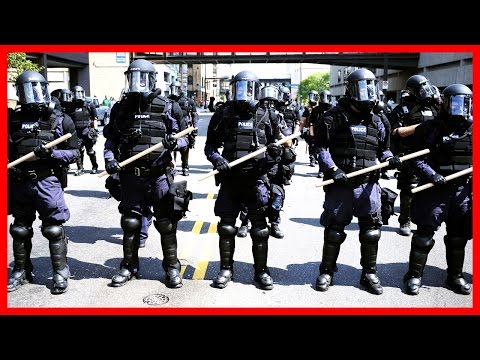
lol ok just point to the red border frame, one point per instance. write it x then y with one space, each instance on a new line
4 310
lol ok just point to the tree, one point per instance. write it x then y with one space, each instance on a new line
19 62
318 81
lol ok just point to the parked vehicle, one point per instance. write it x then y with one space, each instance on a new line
103 112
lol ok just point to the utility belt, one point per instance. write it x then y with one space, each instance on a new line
33 175
145 171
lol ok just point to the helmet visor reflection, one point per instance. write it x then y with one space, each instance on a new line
365 90
33 92
138 81
243 90
460 105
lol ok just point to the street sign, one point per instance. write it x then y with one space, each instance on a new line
385 85
121 57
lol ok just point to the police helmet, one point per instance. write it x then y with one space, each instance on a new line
269 92
32 91
244 86
175 88
140 77
78 93
362 90
313 97
284 94
420 87
457 102
325 97
65 96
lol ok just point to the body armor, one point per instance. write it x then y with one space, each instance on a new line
28 132
356 144
81 117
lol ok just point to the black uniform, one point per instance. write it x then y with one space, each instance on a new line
36 185
449 138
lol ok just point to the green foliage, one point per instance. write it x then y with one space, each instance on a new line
318 81
19 62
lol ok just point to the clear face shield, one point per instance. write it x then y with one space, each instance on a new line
33 93
312 97
364 90
66 97
79 95
425 90
325 98
269 93
139 81
460 105
243 90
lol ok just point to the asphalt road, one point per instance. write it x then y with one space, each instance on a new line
95 252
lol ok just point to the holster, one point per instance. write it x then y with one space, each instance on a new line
180 199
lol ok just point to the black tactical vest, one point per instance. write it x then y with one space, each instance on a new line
185 106
81 117
455 153
416 115
27 132
355 145
139 132
243 135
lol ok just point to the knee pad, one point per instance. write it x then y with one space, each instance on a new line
164 226
259 233
335 234
226 230
370 236
21 232
130 224
422 242
53 232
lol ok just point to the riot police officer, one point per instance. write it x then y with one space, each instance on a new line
266 109
85 118
234 127
324 104
190 118
417 106
291 116
351 137
39 181
305 125
141 119
65 98
449 138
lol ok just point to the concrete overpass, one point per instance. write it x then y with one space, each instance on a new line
393 61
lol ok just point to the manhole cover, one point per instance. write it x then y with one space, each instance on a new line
155 299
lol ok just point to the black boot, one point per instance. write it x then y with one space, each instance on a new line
262 276
129 266
60 281
126 273
226 245
455 253
275 231
185 171
58 255
22 246
170 263
422 243
242 231
334 236
173 278
93 160
371 282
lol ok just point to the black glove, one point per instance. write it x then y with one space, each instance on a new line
338 175
194 132
41 152
394 163
221 164
274 150
112 166
438 179
169 142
